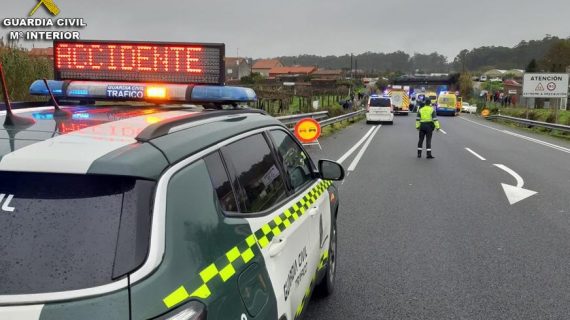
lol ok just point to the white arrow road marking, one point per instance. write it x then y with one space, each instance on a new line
515 193
475 154
520 181
361 152
351 150
442 131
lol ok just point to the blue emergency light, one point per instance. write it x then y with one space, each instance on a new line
122 91
38 88
213 93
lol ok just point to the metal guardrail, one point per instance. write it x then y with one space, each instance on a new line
289 120
554 126
330 121
292 119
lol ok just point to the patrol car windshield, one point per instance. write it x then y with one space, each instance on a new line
67 232
379 102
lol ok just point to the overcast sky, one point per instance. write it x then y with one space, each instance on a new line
267 28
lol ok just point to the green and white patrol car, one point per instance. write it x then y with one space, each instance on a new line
162 210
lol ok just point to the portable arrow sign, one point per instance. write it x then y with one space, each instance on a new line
515 193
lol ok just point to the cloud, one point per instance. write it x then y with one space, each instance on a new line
324 27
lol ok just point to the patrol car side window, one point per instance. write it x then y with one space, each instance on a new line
257 172
221 182
294 159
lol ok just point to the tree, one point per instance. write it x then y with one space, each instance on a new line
532 66
503 57
382 84
21 70
253 78
465 85
557 59
429 63
492 86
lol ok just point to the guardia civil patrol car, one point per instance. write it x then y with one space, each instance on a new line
166 201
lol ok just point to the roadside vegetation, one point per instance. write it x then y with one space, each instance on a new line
21 70
543 115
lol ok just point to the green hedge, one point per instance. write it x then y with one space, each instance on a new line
21 70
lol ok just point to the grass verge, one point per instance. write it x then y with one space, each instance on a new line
544 131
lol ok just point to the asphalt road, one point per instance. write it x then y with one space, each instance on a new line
438 239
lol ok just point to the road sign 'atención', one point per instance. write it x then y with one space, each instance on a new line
545 85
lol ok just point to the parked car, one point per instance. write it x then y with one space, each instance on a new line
466 107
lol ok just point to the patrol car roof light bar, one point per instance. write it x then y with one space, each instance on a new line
11 119
206 95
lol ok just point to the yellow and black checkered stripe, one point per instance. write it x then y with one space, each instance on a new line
324 258
306 297
224 268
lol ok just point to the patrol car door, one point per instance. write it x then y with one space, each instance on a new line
282 227
310 202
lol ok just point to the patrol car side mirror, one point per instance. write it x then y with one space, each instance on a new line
331 170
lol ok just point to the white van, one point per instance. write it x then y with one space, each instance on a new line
379 109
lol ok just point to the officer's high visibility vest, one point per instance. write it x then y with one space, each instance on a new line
427 114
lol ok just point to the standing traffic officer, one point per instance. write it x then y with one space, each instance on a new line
426 121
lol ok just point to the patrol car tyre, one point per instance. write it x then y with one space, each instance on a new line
326 287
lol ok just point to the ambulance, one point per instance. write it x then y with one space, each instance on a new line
447 104
400 101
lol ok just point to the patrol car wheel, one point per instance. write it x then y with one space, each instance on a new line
326 287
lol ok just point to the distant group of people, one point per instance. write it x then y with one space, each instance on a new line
353 100
499 97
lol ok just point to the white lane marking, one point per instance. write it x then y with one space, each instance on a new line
520 181
361 152
442 131
479 124
544 143
351 150
475 154
515 193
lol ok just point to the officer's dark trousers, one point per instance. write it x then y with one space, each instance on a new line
426 131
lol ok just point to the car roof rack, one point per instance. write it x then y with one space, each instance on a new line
164 127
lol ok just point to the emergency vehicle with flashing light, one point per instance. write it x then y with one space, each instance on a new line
447 104
400 101
177 204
